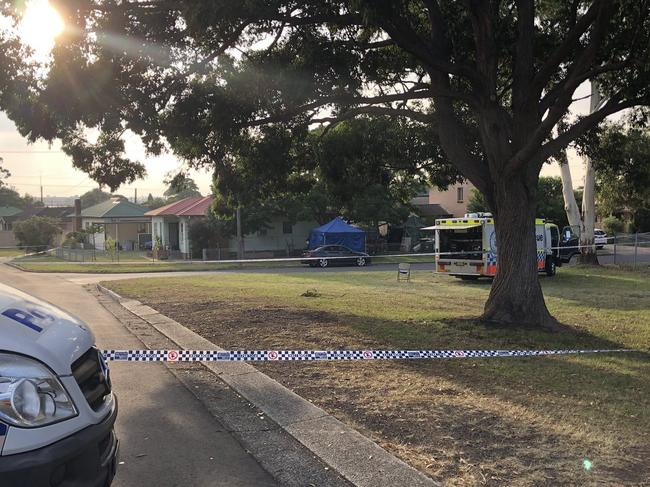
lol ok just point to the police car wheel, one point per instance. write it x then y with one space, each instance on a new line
361 261
322 262
550 267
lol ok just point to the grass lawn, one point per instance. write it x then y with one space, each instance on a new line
11 252
514 421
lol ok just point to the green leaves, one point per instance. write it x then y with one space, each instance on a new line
103 161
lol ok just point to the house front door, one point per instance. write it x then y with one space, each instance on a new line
173 236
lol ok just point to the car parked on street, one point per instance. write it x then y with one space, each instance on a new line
600 238
333 255
57 409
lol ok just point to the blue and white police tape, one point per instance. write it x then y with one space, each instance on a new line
325 355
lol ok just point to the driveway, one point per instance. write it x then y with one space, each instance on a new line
167 436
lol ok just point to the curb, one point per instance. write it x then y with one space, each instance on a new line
356 458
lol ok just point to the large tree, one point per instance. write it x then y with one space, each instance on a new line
621 154
492 78
366 169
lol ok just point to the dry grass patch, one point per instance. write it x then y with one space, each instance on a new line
523 421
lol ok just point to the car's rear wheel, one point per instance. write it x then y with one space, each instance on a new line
323 262
361 261
550 267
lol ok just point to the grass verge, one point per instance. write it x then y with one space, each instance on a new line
52 264
11 252
516 421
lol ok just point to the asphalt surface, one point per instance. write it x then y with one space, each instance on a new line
167 436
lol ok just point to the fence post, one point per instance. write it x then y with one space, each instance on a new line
636 246
614 249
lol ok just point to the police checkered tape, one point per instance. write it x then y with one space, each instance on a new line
328 355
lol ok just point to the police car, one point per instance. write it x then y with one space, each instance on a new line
56 406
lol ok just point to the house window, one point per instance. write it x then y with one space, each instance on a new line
142 228
460 194
287 228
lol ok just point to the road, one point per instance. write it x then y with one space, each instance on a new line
167 436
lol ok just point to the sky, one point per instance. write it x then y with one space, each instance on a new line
39 164
30 164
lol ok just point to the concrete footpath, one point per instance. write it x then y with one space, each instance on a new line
168 438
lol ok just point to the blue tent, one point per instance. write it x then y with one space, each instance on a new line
337 232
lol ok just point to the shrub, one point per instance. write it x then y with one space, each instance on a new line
111 246
37 231
613 225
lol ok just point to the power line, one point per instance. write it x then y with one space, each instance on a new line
31 152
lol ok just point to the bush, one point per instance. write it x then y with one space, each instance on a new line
37 231
111 247
74 239
613 225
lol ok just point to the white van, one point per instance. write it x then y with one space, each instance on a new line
57 410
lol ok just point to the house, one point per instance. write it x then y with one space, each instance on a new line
281 237
120 220
8 215
436 203
170 223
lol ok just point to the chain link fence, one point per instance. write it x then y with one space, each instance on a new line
631 249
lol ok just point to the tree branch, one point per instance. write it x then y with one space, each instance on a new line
225 45
583 125
404 36
566 47
481 16
553 94
523 59
563 99
375 110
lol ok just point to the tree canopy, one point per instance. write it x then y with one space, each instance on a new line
96 196
492 80
11 197
621 154
365 169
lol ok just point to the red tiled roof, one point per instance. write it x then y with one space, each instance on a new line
193 206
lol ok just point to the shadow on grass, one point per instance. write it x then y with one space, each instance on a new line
544 386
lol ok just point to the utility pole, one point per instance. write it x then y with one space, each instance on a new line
41 179
135 197
240 237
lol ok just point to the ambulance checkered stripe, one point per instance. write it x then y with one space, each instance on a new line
323 355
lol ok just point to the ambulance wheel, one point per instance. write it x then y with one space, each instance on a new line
550 268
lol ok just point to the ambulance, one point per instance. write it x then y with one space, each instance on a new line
57 410
467 247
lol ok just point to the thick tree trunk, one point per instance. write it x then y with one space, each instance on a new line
588 249
516 296
570 204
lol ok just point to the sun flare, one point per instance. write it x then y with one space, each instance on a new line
40 25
